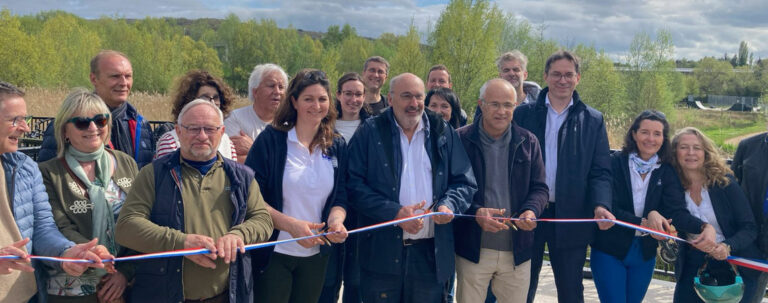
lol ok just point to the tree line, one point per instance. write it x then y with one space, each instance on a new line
52 49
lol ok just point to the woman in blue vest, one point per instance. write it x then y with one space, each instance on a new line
300 162
647 192
713 195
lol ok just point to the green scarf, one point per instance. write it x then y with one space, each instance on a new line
102 215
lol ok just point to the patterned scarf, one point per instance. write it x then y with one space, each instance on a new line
102 215
641 166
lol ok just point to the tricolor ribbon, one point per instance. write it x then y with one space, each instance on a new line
761 265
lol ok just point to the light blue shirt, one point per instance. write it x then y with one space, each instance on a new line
555 120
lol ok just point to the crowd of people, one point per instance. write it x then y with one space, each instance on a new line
301 160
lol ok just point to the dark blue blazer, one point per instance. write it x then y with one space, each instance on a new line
583 165
665 194
375 167
735 219
267 159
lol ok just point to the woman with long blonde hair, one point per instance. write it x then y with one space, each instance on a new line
712 195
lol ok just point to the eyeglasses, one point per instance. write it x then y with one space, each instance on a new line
567 76
16 121
83 123
195 130
214 98
496 105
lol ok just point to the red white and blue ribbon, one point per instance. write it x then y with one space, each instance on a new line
761 265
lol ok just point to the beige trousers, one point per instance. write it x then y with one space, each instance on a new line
509 283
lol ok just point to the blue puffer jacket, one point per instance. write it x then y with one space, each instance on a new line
32 212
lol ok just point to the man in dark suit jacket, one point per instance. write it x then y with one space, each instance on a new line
402 162
574 144
750 166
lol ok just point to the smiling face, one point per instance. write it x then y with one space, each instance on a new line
562 80
199 145
407 100
513 71
269 93
114 80
690 152
649 137
88 140
438 78
374 75
441 106
11 108
351 99
312 105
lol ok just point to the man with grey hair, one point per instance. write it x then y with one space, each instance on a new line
375 71
513 67
194 198
266 88
112 79
511 181
404 162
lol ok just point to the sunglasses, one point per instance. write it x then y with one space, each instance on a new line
83 123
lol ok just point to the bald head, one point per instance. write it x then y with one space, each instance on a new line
406 96
497 86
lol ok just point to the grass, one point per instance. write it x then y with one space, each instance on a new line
45 102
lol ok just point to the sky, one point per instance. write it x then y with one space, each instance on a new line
699 27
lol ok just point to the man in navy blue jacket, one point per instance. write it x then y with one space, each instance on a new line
574 144
402 163
112 79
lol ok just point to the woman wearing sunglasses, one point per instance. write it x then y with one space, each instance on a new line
87 185
713 195
199 84
300 165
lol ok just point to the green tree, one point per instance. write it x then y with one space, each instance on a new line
713 76
465 40
409 58
651 81
601 86
20 55
68 45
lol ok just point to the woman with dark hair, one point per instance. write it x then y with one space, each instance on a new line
300 164
713 195
445 102
351 106
647 192
199 84
343 264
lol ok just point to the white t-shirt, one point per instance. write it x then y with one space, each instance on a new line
307 183
169 142
347 128
245 119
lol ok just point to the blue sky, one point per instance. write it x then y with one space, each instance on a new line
699 27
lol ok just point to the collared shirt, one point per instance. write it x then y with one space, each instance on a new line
705 212
307 183
416 178
639 189
555 120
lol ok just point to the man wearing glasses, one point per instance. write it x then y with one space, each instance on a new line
112 79
189 199
511 182
402 163
574 144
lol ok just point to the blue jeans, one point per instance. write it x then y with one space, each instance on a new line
416 283
622 280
